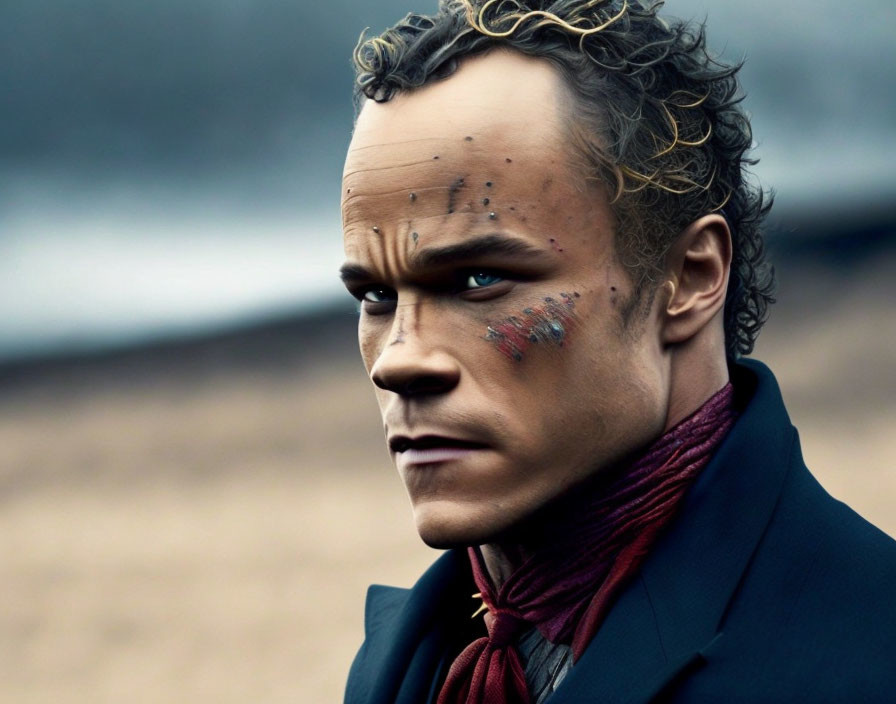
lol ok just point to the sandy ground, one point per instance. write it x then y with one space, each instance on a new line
213 540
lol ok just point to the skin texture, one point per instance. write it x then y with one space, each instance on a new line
516 345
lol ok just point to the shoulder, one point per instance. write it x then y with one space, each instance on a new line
814 613
812 616
846 569
400 622
381 610
813 619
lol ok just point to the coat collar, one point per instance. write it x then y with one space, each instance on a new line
671 617
665 623
406 634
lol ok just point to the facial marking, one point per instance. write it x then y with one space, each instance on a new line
399 336
453 193
547 323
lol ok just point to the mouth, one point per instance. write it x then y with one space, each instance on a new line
429 449
403 443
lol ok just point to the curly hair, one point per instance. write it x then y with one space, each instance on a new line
657 118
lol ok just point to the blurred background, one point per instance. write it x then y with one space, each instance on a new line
194 492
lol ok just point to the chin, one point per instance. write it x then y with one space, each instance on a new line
449 524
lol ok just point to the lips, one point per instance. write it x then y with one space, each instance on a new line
431 449
403 443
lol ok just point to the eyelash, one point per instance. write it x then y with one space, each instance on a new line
460 286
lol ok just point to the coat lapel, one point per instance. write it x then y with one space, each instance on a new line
670 618
406 634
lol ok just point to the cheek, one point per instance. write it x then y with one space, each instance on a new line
546 323
369 343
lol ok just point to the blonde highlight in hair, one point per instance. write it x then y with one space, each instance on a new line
476 19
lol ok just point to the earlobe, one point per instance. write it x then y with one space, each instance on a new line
697 268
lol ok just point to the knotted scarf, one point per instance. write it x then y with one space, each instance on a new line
566 587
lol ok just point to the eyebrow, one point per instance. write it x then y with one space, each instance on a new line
486 245
439 257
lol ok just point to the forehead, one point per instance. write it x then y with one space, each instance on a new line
496 110
483 150
510 98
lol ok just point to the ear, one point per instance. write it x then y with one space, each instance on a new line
697 269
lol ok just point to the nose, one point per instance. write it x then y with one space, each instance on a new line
408 366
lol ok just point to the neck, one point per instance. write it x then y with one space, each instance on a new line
698 368
546 528
501 560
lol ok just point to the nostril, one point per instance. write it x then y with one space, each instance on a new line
415 379
415 385
429 384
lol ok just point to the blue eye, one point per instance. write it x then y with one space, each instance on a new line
378 295
481 279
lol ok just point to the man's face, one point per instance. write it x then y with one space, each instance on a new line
491 295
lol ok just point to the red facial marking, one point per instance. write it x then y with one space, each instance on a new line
547 323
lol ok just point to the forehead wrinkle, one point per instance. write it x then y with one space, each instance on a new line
393 251
350 198
356 206
364 147
386 167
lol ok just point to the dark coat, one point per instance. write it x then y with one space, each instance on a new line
763 589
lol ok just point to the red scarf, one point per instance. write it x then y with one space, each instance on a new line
566 588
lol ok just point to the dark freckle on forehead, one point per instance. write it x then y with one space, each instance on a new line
436 156
348 190
612 288
468 138
453 192
512 208
485 201
488 184
508 160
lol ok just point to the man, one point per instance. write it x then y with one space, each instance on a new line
558 262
